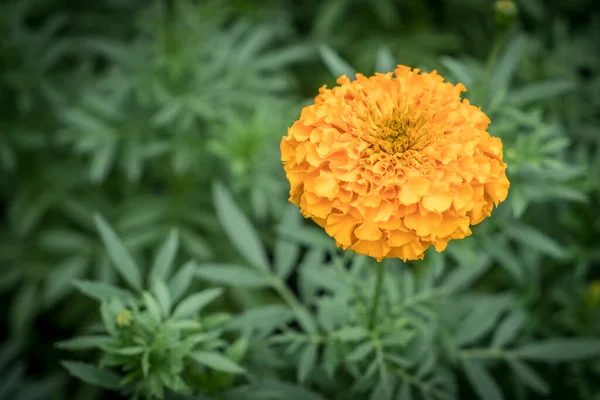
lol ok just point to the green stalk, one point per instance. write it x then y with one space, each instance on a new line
377 295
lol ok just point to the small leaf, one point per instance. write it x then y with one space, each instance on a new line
539 91
239 229
529 377
480 320
152 306
92 374
336 64
482 382
535 239
181 281
264 319
464 276
196 302
509 328
504 255
59 281
163 262
84 342
360 352
286 255
119 255
102 291
217 362
560 349
385 61
307 362
350 333
161 292
507 64
232 275
404 392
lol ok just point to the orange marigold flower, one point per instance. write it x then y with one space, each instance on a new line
391 164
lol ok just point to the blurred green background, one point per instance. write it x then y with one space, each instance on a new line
134 109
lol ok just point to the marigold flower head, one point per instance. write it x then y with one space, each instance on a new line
392 164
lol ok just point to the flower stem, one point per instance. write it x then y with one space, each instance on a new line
377 295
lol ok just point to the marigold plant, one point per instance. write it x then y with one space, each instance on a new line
391 164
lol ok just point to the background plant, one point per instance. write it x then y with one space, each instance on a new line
165 118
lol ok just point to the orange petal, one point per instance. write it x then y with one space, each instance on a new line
368 231
440 201
414 188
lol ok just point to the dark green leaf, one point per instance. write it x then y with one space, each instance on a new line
92 374
232 275
560 349
119 255
336 64
181 281
193 304
163 261
286 255
529 377
482 382
238 228
538 91
84 342
217 362
102 291
307 362
509 328
535 239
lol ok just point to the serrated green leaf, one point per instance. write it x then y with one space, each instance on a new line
239 229
163 261
84 342
217 362
482 382
307 362
232 275
193 304
119 255
529 377
509 328
560 349
92 374
102 291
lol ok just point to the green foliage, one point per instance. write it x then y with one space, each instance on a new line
147 249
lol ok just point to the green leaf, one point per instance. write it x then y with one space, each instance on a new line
193 304
161 292
217 362
286 255
509 328
238 228
59 281
385 61
534 239
84 342
458 70
163 261
506 65
102 291
360 352
232 275
181 281
529 377
465 275
350 333
153 308
404 392
480 320
119 255
481 381
92 374
539 91
264 320
504 255
307 362
560 349
336 64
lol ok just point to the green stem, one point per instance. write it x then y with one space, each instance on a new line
377 295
